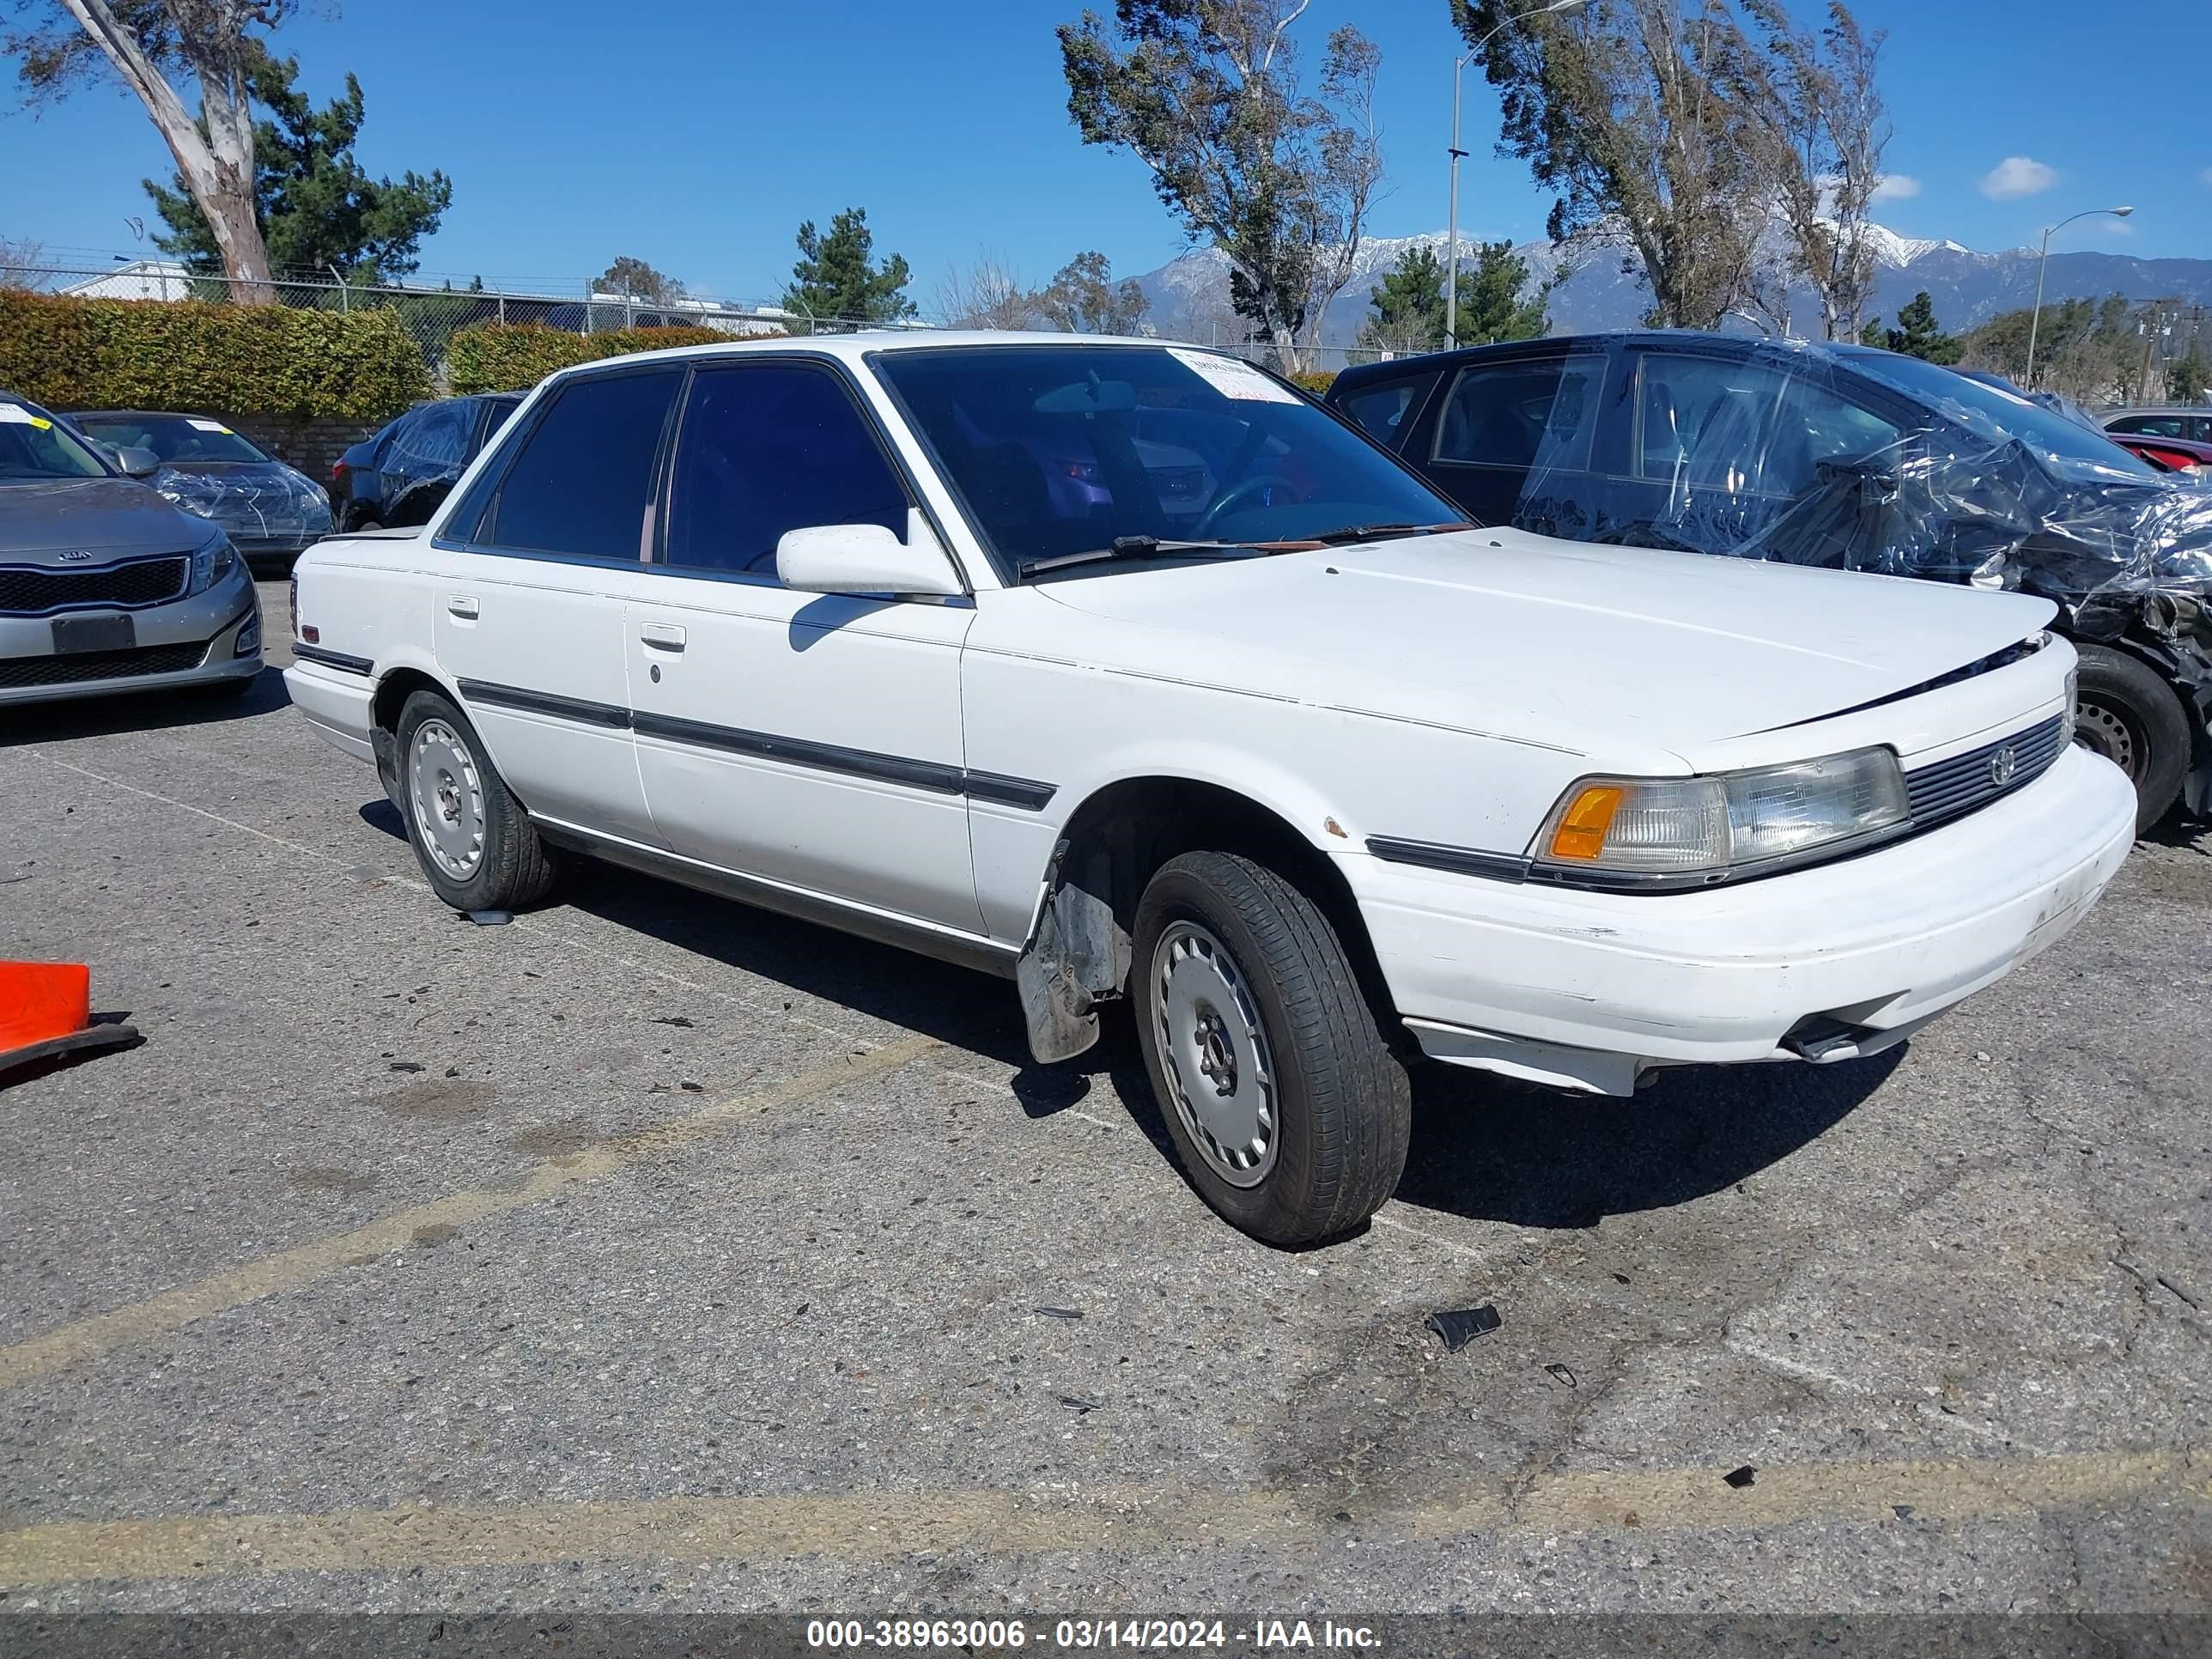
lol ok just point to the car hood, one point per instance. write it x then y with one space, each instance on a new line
249 498
39 522
1555 642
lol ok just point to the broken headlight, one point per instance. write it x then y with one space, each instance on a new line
1687 831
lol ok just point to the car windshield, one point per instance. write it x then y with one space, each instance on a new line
1994 413
1061 450
173 438
34 447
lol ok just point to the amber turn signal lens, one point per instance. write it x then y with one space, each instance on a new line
1581 834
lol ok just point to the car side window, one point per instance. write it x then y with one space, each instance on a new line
1523 413
1746 428
766 448
1385 412
432 441
2151 426
583 477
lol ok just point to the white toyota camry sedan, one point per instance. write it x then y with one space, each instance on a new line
1123 671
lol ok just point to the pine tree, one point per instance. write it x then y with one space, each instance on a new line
1915 334
317 208
835 278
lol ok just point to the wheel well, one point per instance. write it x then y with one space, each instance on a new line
392 694
1121 836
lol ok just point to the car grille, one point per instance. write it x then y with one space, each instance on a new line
89 666
29 592
1973 779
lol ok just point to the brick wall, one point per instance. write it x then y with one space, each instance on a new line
311 446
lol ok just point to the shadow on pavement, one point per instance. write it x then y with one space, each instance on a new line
1483 1147
139 711
1494 1150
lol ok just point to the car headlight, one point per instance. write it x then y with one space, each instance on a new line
1694 830
211 563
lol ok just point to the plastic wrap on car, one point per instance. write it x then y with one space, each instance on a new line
1958 500
260 506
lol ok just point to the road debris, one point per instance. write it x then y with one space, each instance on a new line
1461 1326
1742 1477
1058 1313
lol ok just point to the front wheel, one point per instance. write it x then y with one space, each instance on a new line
2132 718
476 844
1287 1110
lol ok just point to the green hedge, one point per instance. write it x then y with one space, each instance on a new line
1315 381
69 353
515 357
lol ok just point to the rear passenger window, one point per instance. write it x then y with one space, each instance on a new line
1385 411
1521 414
584 476
768 448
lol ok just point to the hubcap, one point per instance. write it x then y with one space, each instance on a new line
2103 732
1220 1074
449 799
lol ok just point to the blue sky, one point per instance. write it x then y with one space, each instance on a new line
696 134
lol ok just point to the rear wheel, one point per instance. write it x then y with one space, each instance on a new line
476 844
2133 719
1288 1111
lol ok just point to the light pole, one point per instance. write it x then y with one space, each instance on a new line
2035 317
1452 267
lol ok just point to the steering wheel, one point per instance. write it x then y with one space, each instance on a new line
1236 495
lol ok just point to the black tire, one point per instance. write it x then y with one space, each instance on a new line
2132 716
1341 1104
511 866
367 521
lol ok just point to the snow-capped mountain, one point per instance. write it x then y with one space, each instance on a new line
1190 294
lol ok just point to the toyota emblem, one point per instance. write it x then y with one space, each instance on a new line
2002 765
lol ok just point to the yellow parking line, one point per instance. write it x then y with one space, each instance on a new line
88 1338
868 1526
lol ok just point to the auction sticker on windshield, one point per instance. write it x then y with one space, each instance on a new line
16 415
1232 377
197 424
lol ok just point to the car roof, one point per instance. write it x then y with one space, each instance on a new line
854 348
2202 411
119 414
1741 345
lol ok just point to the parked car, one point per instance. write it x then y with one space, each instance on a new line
1843 456
399 475
805 622
269 510
2190 421
2172 454
104 587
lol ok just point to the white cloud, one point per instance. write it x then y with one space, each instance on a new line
1897 187
2017 175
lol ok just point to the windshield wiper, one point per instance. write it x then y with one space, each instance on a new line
1121 547
1374 532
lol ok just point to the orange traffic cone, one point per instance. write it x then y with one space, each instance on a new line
45 1012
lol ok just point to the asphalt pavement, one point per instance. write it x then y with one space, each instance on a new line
653 1252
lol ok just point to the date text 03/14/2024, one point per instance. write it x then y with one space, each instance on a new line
1152 1634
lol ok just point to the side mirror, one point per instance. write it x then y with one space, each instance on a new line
137 462
864 558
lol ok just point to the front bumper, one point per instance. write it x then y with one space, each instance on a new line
187 642
1589 990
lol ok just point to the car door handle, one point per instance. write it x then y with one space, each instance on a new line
460 605
662 636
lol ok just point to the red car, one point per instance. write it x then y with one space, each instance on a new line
2177 454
